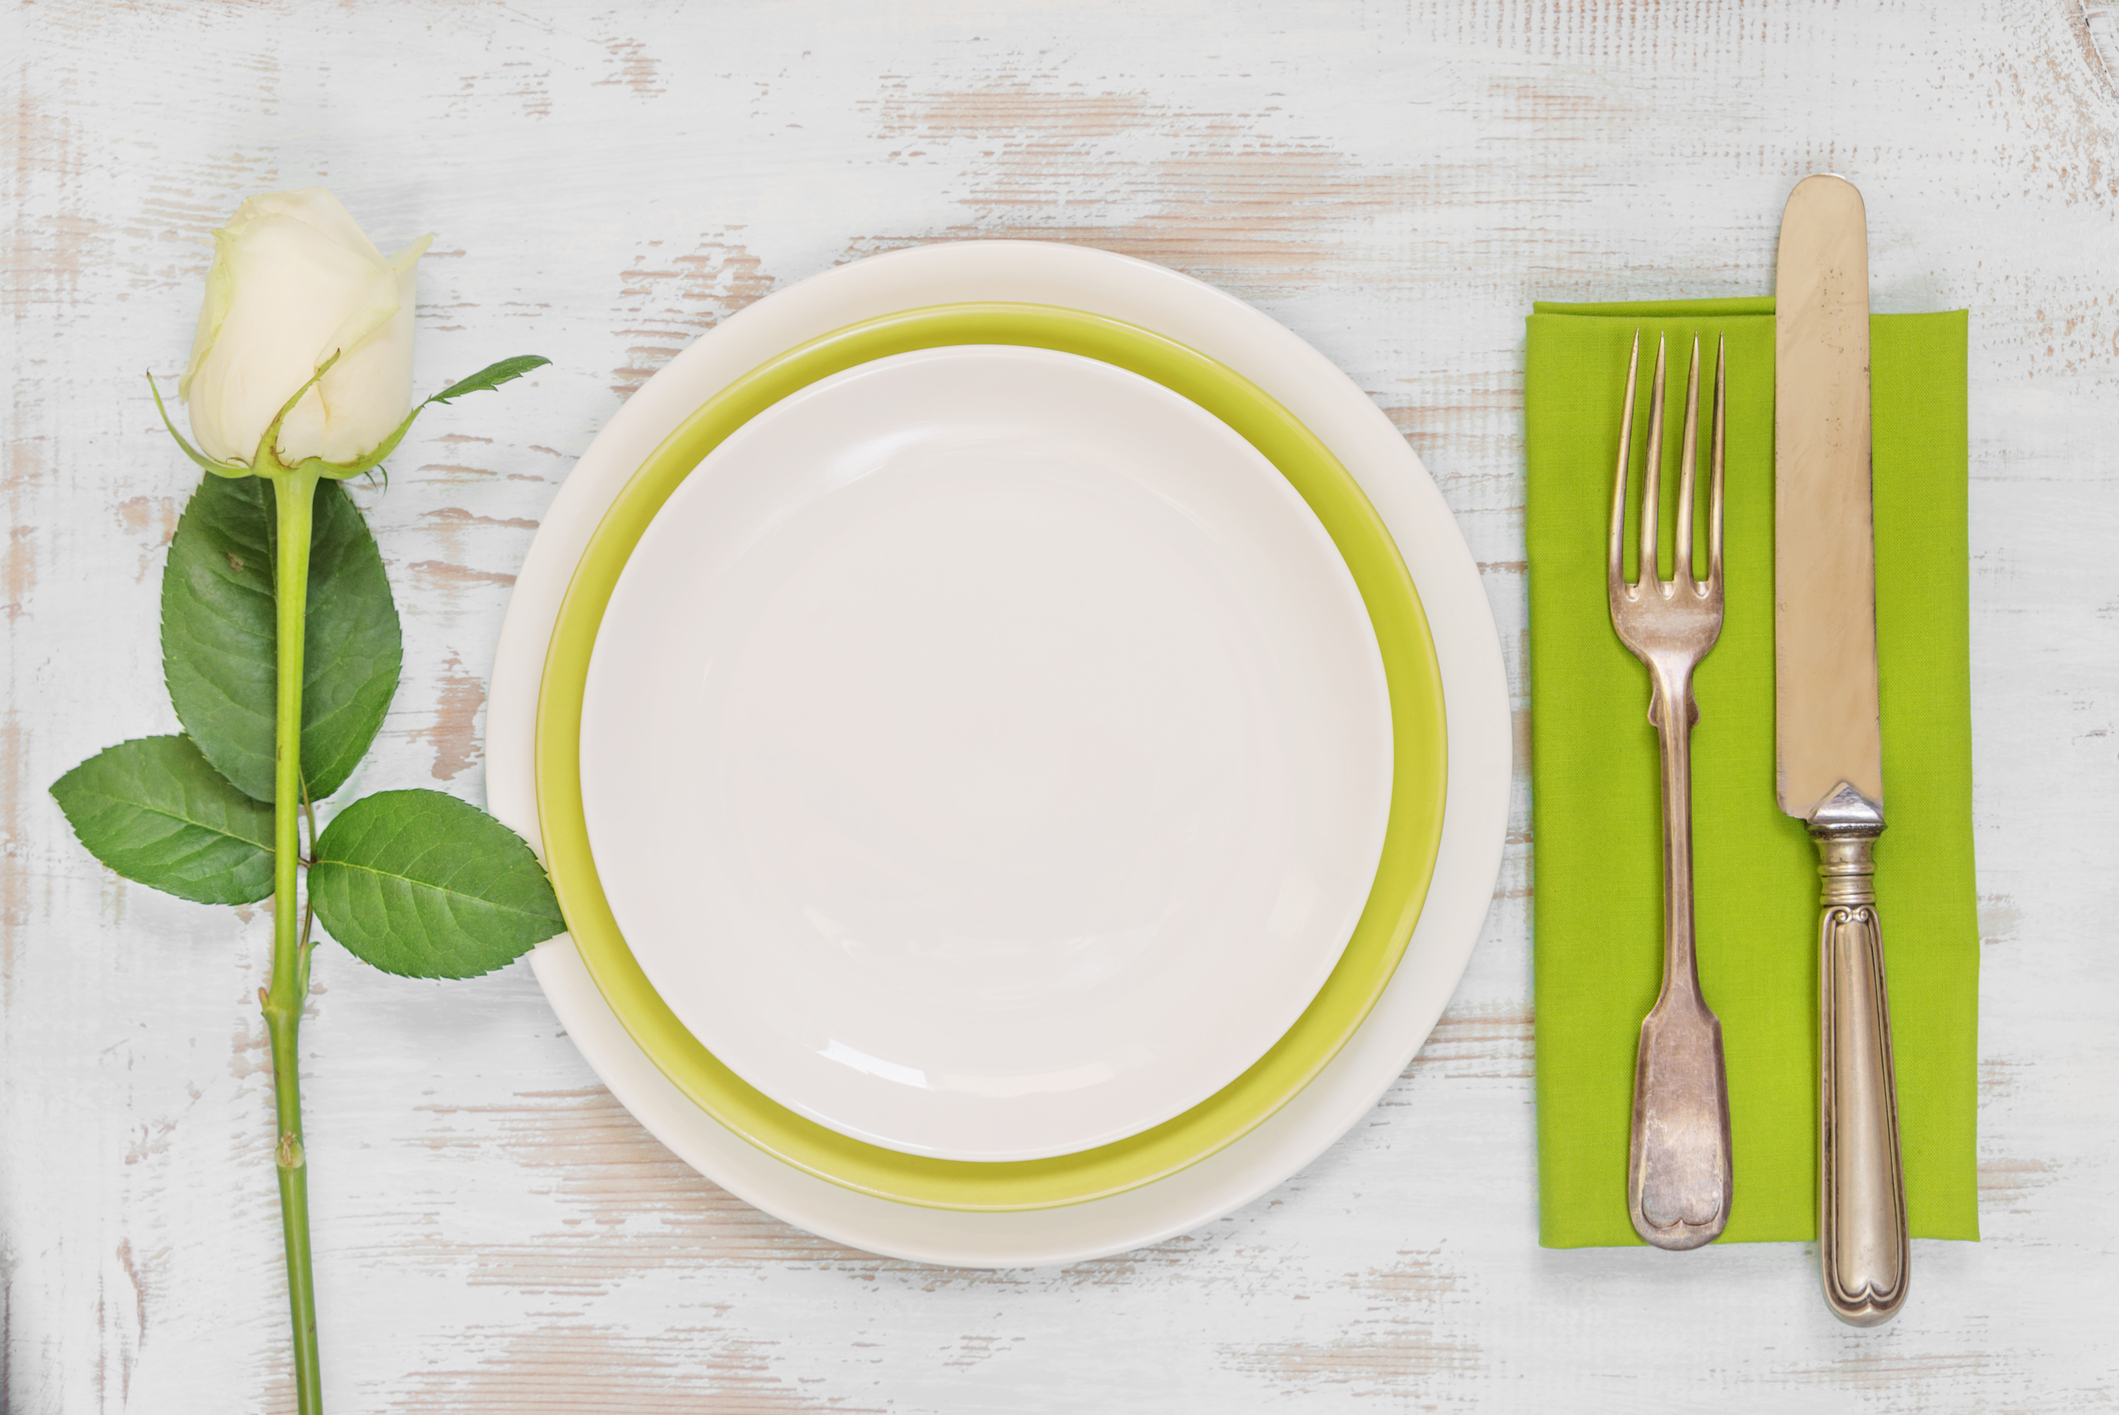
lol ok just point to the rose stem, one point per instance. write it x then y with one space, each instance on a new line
294 496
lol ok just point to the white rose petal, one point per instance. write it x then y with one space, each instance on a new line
293 281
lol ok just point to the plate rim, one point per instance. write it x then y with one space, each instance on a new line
1412 839
1482 743
1263 1004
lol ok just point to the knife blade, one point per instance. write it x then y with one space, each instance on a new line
1824 571
1828 727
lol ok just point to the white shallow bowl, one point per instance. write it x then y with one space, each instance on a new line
1466 647
986 753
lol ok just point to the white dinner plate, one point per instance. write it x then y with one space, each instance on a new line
1467 651
986 753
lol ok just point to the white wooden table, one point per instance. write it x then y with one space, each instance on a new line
1396 182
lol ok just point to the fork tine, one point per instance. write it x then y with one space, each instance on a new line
1714 485
1688 458
1616 571
1651 480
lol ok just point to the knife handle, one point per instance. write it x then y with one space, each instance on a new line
1861 1192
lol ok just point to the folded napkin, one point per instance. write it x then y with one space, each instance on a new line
1595 802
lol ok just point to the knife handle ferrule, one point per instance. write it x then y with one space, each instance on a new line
1861 1198
1847 865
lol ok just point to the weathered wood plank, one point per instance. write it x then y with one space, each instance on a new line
1397 182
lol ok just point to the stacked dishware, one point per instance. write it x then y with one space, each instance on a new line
1020 743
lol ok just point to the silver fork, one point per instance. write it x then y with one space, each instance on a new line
1678 1181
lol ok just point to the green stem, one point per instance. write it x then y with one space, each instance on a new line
294 495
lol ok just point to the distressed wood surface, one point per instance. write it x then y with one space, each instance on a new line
1396 181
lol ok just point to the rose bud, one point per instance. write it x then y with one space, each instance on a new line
295 281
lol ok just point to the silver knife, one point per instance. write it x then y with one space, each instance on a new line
1829 733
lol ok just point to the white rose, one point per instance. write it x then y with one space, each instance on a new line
295 280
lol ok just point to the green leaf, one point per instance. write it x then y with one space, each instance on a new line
155 811
424 886
491 376
220 643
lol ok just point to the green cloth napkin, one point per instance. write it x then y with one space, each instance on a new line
1595 804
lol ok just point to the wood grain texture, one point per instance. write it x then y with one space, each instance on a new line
1396 181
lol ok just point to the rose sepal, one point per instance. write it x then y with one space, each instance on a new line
267 462
491 376
219 469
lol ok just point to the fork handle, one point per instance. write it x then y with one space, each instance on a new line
1861 1193
1678 1175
